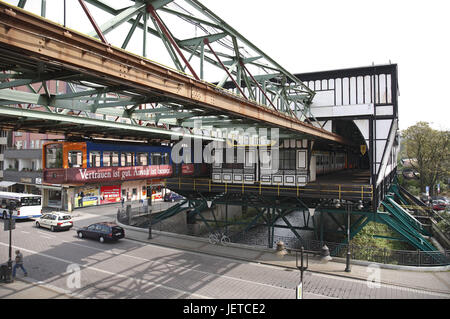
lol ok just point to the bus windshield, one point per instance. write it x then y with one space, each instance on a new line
30 201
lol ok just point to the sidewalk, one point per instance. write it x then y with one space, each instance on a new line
25 288
419 278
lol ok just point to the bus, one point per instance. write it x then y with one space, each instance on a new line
27 205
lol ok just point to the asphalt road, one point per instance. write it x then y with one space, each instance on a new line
131 269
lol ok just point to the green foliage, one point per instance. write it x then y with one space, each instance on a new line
430 151
365 238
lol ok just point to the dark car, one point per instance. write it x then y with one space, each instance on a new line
172 197
102 231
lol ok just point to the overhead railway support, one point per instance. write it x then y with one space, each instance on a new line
108 82
91 86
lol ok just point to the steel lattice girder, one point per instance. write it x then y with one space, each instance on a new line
116 68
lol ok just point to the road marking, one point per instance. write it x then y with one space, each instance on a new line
181 267
138 281
25 232
45 235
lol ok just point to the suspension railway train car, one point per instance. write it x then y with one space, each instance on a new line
67 162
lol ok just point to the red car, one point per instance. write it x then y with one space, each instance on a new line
439 205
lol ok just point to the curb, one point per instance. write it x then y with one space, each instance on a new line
268 250
48 287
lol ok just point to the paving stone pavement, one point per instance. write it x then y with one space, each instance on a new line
320 280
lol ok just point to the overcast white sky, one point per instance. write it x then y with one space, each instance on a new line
315 35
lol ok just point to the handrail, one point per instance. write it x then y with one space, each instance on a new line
364 190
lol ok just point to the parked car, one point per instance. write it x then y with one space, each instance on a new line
439 205
55 221
172 197
105 231
441 198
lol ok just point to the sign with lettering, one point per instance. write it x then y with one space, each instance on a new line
299 291
107 174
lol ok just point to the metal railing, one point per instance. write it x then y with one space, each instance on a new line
364 253
362 192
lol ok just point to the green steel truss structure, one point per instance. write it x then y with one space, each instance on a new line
185 34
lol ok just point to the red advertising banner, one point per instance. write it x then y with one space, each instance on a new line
106 174
110 194
187 169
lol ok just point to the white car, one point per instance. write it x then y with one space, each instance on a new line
55 221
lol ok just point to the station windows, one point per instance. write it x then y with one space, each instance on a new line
126 159
75 158
94 159
287 159
142 159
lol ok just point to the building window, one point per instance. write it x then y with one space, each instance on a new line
75 158
53 156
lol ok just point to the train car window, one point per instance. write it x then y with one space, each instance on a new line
115 159
156 158
75 158
126 159
94 159
53 156
106 159
165 159
142 159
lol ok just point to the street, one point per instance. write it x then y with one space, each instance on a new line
132 269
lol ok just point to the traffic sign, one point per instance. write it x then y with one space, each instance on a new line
9 224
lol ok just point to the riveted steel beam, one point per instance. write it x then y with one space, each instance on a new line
46 41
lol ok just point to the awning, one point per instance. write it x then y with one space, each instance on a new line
56 188
6 183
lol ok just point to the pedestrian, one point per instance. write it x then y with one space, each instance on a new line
123 200
19 264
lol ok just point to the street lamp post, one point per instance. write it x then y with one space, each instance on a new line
149 209
302 267
347 259
11 206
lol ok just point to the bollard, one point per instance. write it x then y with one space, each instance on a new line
281 249
325 254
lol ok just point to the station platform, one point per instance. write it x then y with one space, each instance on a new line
347 185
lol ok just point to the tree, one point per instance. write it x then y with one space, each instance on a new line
429 151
